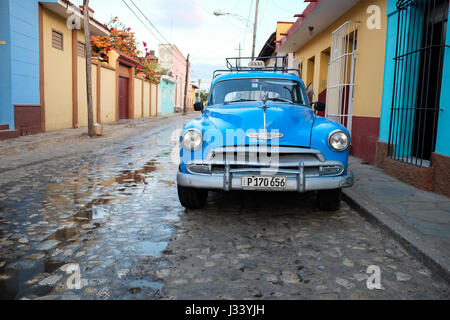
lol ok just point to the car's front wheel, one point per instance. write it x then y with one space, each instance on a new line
329 200
191 198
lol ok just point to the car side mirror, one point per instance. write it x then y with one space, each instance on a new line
319 106
199 106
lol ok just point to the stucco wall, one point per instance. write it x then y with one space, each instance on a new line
57 70
282 27
155 100
19 27
137 98
146 99
82 94
369 64
174 61
108 95
389 67
443 134
6 108
166 93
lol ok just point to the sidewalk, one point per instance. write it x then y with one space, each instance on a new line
420 220
67 136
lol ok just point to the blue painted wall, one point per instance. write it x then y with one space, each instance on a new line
19 23
6 117
443 141
167 96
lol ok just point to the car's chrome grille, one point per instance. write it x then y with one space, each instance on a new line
254 160
309 171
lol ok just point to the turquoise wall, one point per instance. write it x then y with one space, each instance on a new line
167 96
443 134
443 143
389 69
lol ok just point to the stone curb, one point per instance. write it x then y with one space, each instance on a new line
76 136
420 248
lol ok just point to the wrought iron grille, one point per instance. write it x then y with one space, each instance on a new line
341 74
421 32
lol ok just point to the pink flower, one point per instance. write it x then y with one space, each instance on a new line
145 44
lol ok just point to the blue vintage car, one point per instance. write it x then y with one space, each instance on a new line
259 131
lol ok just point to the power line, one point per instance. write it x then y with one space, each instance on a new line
146 18
145 25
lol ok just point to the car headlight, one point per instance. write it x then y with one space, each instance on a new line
338 140
192 139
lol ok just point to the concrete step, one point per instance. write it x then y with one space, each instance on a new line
4 126
9 134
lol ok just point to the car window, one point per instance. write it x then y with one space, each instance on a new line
241 90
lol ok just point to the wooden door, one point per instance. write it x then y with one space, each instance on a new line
123 98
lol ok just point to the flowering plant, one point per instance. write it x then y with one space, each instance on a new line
123 39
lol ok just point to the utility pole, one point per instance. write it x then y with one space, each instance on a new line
87 41
199 88
239 54
186 85
255 29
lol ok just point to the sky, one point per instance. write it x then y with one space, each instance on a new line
194 29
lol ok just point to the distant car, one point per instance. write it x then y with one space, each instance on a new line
260 132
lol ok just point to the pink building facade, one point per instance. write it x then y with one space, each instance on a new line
173 63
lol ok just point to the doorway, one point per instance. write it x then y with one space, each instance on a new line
124 95
430 77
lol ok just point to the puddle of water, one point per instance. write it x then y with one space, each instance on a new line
99 212
145 283
85 194
151 248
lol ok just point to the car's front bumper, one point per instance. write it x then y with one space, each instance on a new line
229 181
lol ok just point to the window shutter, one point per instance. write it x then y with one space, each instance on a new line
81 50
57 40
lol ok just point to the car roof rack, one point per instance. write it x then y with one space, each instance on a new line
279 64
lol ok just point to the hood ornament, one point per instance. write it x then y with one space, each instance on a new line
263 134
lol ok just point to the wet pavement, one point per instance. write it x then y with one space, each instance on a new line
113 217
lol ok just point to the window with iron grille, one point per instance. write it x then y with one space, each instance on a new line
341 74
421 33
81 49
57 40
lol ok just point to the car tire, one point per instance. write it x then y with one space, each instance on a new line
191 198
329 200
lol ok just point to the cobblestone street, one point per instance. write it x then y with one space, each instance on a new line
114 212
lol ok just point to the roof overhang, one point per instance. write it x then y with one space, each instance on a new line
269 46
66 9
322 15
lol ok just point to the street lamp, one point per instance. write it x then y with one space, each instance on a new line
219 13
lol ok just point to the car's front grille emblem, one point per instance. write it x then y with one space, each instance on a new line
264 135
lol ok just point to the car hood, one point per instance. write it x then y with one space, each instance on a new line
293 121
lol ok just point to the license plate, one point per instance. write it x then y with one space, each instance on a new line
260 182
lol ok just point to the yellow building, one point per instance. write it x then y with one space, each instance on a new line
269 47
117 92
192 97
339 49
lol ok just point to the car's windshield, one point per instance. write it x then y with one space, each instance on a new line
242 90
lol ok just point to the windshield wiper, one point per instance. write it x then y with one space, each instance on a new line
240 100
280 100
